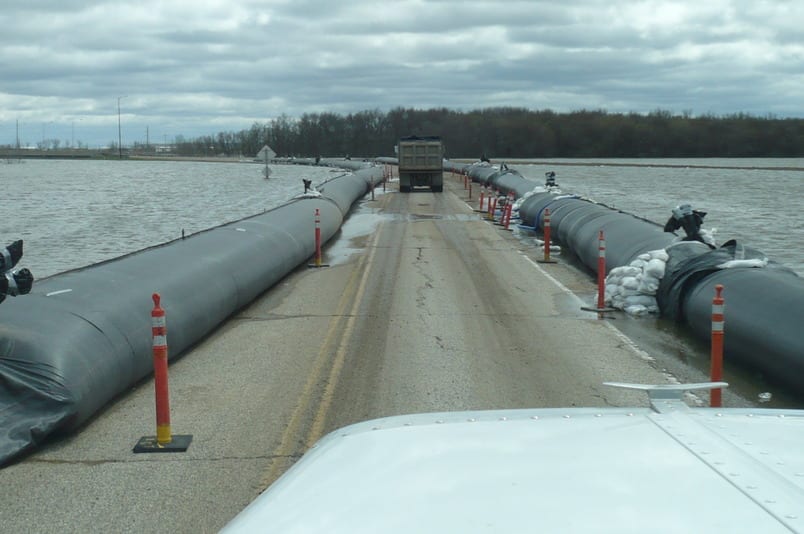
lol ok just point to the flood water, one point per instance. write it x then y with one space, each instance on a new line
759 207
75 213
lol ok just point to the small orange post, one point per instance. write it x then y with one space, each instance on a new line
546 227
317 238
164 441
716 364
470 190
601 277
481 200
510 206
317 260
159 332
507 217
601 270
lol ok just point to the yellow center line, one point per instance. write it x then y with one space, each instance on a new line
317 429
288 443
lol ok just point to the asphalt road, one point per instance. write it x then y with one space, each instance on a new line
425 306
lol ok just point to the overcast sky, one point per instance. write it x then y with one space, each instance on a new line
200 67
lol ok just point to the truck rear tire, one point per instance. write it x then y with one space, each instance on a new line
437 188
404 189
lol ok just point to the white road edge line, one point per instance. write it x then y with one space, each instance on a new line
625 339
59 292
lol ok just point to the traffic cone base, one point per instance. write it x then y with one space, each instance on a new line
178 443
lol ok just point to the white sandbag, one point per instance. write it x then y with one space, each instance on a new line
630 282
613 293
660 254
617 301
708 236
655 268
648 285
627 271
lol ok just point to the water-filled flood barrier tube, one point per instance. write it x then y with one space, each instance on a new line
764 306
82 337
763 312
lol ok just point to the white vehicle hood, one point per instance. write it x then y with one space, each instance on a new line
546 470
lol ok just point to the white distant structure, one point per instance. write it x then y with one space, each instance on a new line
265 154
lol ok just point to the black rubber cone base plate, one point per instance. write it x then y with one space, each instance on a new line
178 443
598 310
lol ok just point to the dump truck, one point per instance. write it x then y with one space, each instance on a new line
420 163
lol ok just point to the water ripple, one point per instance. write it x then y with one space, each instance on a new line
76 213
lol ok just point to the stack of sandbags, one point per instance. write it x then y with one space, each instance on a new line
632 288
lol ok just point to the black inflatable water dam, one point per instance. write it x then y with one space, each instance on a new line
82 337
764 310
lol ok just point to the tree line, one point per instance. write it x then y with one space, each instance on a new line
508 132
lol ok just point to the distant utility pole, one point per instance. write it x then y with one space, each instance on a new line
119 129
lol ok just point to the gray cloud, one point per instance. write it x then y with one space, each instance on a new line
193 68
